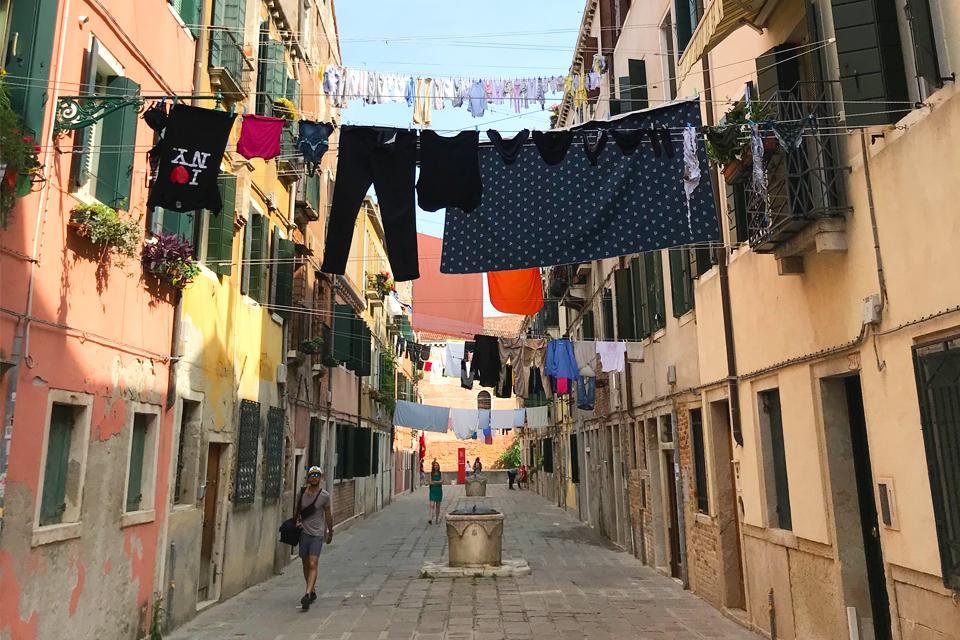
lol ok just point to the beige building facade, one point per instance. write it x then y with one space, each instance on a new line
789 439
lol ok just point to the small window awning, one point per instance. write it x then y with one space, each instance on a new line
720 19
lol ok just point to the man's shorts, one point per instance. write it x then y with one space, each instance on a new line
310 545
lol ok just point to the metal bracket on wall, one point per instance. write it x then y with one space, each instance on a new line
77 112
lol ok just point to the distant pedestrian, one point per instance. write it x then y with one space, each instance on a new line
523 476
477 466
314 517
436 493
512 477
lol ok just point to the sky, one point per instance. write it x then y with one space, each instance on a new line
495 38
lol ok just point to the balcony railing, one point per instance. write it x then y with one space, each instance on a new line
803 185
308 198
231 72
290 162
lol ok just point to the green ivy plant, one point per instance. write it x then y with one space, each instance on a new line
312 345
102 225
511 458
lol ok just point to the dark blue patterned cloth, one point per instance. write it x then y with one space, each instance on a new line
535 215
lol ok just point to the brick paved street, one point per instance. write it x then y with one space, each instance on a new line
369 588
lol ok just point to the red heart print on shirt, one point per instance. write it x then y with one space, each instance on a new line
179 175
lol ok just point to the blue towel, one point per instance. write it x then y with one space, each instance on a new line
414 415
561 361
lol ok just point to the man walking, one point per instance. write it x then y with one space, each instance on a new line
314 517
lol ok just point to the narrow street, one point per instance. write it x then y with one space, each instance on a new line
580 587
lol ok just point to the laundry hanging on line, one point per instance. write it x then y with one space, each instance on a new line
533 214
518 291
414 415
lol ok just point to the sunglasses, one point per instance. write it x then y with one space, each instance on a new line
314 475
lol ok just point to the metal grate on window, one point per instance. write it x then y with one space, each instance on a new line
248 441
273 454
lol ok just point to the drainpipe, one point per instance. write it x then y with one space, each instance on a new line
721 255
641 545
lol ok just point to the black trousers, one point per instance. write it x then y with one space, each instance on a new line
386 158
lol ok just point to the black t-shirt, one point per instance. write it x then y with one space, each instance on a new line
190 152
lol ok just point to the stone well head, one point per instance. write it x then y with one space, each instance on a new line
475 537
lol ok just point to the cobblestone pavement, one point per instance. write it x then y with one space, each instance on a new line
369 589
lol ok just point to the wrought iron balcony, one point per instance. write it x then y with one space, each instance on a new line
805 184
290 162
231 72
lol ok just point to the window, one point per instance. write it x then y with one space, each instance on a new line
546 450
283 276
607 313
775 461
271 72
314 450
375 455
681 281
938 387
189 12
586 326
361 445
653 281
188 448
574 459
248 444
668 59
640 307
273 454
219 240
686 14
65 458
699 461
627 317
255 252
141 464
187 225
28 40
103 169
737 212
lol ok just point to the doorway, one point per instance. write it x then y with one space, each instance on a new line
208 569
657 556
854 508
673 523
727 509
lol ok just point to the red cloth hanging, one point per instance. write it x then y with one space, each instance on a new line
519 291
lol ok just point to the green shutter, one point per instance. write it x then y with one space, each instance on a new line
189 12
342 329
639 298
625 307
924 43
350 452
680 282
682 18
607 309
271 75
872 75
229 13
638 84
653 278
626 105
292 91
138 444
117 147
701 259
360 347
258 253
220 227
179 223
53 501
284 294
27 65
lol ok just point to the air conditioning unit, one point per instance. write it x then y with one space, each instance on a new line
281 374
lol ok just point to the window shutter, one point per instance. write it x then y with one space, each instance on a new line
737 212
117 142
701 259
292 91
28 64
313 451
258 242
272 75
349 451
84 137
362 348
586 326
653 277
638 84
178 223
220 228
626 104
189 12
574 459
607 309
53 500
682 18
375 459
924 43
342 330
625 323
285 257
642 322
870 54
135 479
680 282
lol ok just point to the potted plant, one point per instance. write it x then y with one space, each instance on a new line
19 163
102 225
381 283
284 108
330 361
170 257
736 157
312 346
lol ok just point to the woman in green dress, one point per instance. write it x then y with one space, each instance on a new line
436 493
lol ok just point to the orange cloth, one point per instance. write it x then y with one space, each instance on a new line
519 291
447 304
